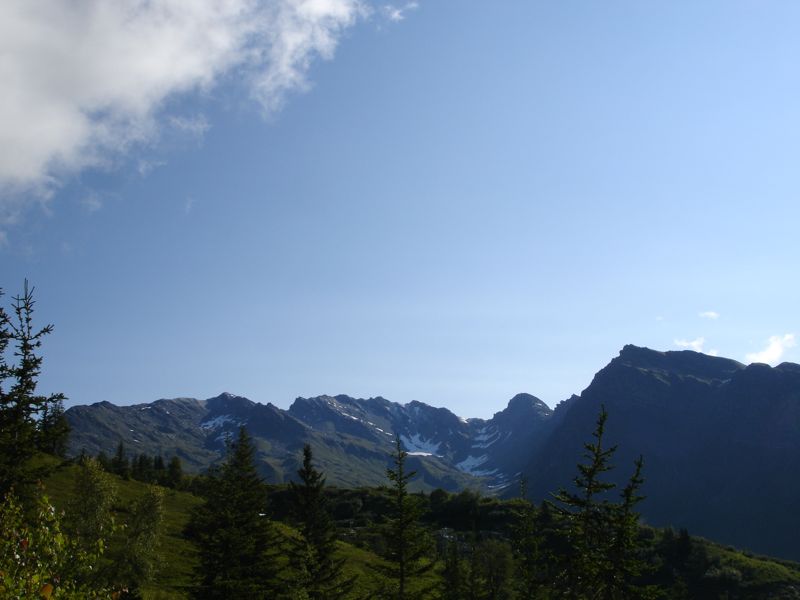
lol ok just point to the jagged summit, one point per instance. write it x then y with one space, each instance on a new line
683 362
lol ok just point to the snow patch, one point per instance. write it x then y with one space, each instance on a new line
420 454
415 443
217 422
486 437
471 463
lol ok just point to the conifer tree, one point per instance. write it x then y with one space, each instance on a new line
453 584
237 543
174 472
21 408
120 464
322 574
603 558
626 564
408 544
53 429
586 514
493 561
527 546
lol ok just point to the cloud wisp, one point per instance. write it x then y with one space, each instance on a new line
398 13
86 81
775 349
709 314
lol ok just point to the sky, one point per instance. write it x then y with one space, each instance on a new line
443 201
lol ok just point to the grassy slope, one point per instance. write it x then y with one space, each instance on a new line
178 558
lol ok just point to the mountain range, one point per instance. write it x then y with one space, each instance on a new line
352 438
720 440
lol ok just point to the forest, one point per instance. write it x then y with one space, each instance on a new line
136 526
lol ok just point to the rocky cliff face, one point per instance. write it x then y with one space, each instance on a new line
721 443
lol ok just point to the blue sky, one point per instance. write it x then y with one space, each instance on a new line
445 201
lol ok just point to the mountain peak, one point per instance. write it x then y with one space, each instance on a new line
523 407
679 362
227 401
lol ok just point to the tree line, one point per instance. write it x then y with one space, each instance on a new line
143 467
584 543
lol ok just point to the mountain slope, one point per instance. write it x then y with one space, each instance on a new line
721 443
352 438
720 440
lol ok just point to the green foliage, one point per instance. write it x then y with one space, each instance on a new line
53 428
408 545
455 577
321 574
39 560
174 477
602 559
237 543
29 422
88 516
530 557
120 465
134 562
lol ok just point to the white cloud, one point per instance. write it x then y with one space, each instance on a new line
85 81
145 167
195 126
398 13
709 314
776 346
92 202
696 344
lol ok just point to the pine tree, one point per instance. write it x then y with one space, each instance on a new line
314 557
587 514
104 461
603 559
493 560
119 464
21 409
174 473
54 428
160 470
626 564
237 543
527 545
408 544
453 585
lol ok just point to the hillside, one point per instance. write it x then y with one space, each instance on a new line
693 562
720 440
